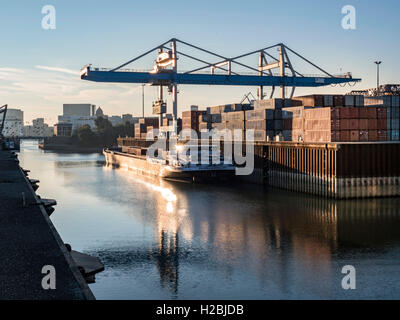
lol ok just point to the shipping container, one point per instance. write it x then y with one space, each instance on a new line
395 124
395 135
372 124
354 135
349 101
354 124
359 101
338 101
382 135
372 135
313 100
364 135
396 101
328 101
363 124
260 114
268 104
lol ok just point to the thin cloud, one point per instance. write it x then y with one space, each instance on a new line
56 69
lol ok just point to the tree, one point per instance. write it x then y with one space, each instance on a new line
86 136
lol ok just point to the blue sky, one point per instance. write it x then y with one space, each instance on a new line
37 66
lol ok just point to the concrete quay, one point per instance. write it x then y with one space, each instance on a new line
29 242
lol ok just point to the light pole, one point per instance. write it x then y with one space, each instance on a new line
143 100
377 76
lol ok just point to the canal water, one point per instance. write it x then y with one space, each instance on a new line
164 240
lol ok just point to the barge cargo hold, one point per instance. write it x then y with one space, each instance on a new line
153 168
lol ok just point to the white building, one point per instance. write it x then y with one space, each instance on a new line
38 129
14 123
78 115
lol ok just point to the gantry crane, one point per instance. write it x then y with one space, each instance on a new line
165 72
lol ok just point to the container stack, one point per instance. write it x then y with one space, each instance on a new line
141 127
190 120
345 124
293 124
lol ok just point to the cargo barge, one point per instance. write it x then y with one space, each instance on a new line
170 169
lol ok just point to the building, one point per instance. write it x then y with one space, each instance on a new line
99 112
38 129
78 115
115 120
63 129
14 123
82 110
129 118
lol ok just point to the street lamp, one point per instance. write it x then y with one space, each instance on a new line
377 76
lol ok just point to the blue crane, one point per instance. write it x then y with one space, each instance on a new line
165 72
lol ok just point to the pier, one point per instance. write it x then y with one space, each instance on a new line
30 242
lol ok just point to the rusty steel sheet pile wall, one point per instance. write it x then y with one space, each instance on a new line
341 170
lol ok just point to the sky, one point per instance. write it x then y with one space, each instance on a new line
39 69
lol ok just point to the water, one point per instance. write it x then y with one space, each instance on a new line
163 240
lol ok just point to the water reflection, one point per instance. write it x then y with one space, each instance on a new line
162 239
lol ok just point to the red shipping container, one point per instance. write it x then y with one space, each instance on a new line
363 124
372 135
335 124
381 113
335 136
382 124
382 135
372 124
345 113
354 135
353 112
344 124
353 124
335 113
338 100
345 135
363 135
372 112
363 112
